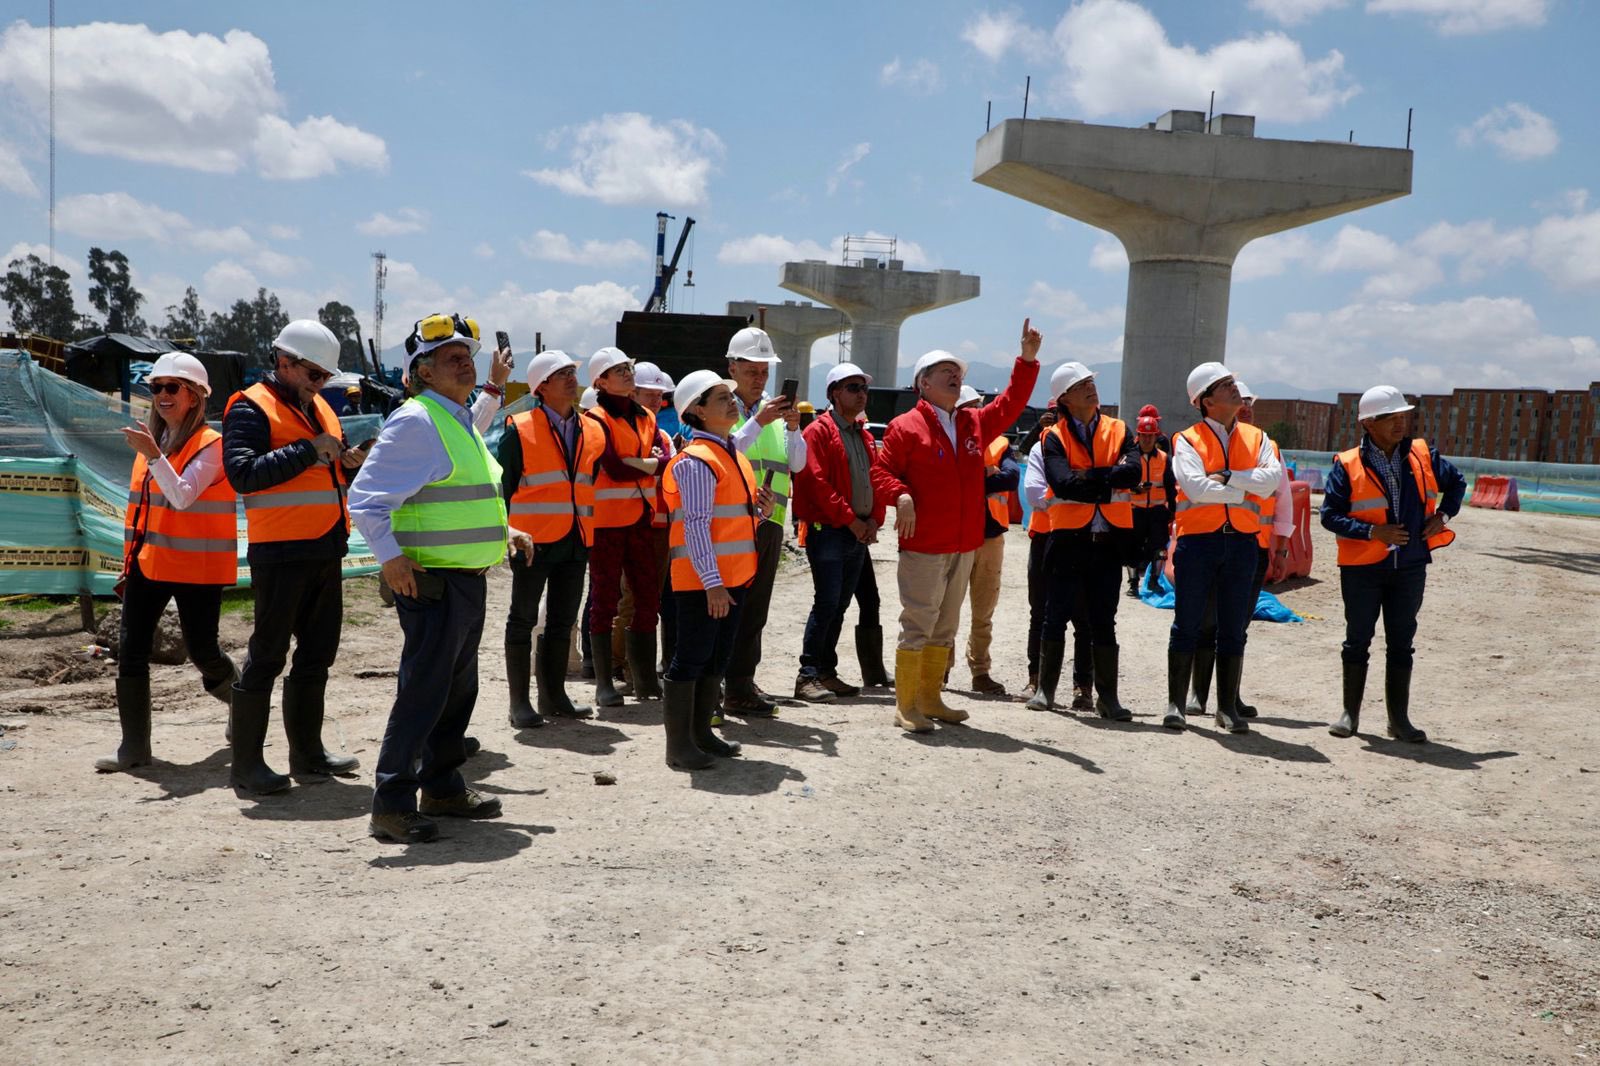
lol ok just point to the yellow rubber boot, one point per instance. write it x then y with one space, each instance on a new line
934 660
907 676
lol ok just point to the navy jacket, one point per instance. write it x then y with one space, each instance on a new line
1007 480
1336 505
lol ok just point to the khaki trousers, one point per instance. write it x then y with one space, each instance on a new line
984 591
931 590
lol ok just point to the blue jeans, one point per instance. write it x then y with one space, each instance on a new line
1396 594
1220 564
423 744
705 644
836 557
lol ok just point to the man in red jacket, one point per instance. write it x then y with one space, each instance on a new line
834 498
931 467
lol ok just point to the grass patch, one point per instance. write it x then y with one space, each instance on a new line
40 604
238 601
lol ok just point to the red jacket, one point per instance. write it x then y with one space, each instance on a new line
822 489
946 484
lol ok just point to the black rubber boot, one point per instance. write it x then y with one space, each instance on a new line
1397 700
1229 669
605 691
707 699
1355 683
550 668
1051 652
219 686
1180 668
642 665
1204 658
519 673
250 772
678 715
133 712
869 656
1105 683
303 711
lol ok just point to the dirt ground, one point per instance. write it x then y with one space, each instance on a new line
1026 888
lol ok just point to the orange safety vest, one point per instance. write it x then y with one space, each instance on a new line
198 545
308 504
1243 453
622 503
733 518
660 519
1109 436
1268 504
1370 503
1154 467
999 502
548 498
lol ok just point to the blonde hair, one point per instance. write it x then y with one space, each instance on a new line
172 442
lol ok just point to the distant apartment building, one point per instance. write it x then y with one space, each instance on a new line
1513 425
1309 420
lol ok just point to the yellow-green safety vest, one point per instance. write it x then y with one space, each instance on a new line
769 453
460 522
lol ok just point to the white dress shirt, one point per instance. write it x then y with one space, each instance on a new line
181 490
1190 473
1035 489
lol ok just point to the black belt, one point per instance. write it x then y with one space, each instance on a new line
1092 536
467 571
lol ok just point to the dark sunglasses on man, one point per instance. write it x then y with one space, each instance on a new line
854 386
314 372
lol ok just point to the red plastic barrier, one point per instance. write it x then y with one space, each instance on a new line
1496 493
1299 541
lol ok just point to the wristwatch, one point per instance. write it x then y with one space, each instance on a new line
493 390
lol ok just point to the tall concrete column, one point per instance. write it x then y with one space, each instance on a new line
878 296
794 328
1183 198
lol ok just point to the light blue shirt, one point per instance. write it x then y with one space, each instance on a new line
408 455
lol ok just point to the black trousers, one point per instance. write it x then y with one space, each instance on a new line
1374 591
303 600
1208 627
199 612
1084 572
1038 598
705 644
424 742
530 582
1149 536
867 603
753 604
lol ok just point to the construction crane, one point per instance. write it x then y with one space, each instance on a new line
666 270
380 261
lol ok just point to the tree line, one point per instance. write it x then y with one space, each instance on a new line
40 300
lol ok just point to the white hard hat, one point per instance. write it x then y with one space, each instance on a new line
752 345
1244 391
590 398
843 372
308 339
650 376
696 385
1381 400
1067 375
1203 377
180 365
933 359
546 363
969 395
605 359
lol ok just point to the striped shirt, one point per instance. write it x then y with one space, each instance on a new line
1388 468
697 493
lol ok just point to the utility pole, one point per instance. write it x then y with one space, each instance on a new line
381 272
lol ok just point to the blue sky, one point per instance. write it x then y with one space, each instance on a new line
510 158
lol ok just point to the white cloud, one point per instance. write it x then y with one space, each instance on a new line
14 177
278 264
1115 59
226 282
1269 256
558 248
1516 131
404 221
919 76
484 250
116 216
630 158
1480 341
188 100
1566 249
1071 311
1293 12
283 233
1394 271
1460 17
763 248
1479 245
231 241
23 249
994 33
845 165
1108 256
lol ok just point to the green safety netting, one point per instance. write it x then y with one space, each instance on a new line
64 470
1548 488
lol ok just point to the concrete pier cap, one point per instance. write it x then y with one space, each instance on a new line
878 295
1183 196
794 328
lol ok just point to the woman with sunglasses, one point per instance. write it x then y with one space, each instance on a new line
180 543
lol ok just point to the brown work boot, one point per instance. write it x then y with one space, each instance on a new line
1082 697
468 803
405 827
984 685
840 688
812 690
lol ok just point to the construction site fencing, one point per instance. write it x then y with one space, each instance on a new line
1544 488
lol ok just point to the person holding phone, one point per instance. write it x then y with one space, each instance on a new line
284 452
428 502
768 434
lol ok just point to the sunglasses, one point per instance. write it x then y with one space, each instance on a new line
315 373
852 386
166 388
438 327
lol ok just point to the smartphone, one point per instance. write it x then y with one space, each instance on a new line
369 442
790 390
502 340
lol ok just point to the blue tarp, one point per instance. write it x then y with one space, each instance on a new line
1268 607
